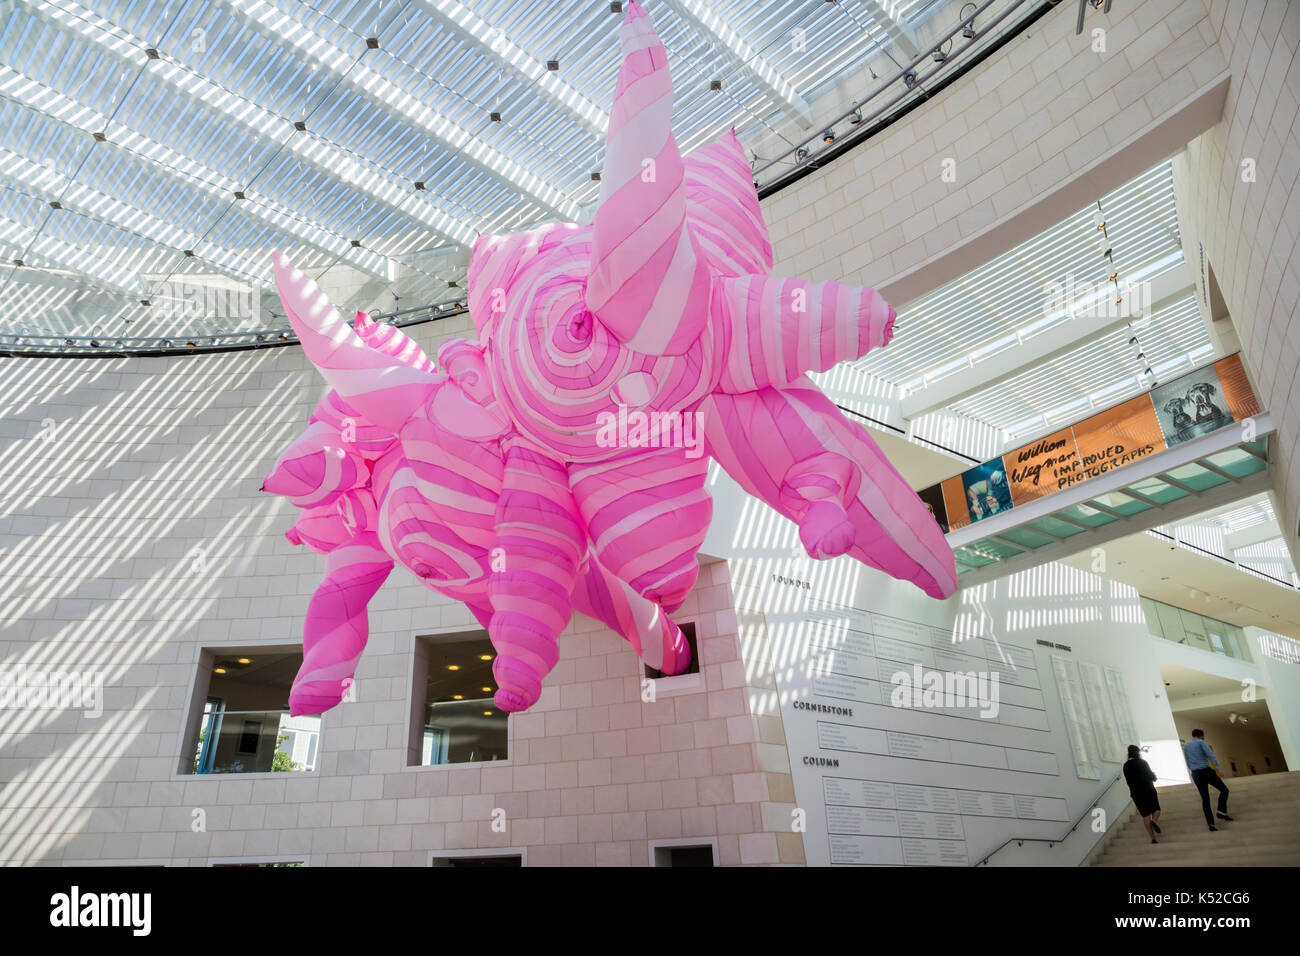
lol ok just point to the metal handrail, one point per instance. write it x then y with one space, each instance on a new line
116 346
1021 841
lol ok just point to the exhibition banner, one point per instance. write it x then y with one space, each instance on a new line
1200 402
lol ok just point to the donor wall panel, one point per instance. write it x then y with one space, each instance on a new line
923 732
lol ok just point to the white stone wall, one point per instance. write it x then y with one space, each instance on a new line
1250 228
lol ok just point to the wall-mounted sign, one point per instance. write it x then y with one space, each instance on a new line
1194 404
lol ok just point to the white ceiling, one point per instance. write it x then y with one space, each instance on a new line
1004 304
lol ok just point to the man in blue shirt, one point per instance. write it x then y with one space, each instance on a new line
1205 774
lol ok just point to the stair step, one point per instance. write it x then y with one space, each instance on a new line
1265 830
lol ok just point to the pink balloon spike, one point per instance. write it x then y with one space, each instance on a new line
559 463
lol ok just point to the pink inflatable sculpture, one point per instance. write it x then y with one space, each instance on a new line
559 463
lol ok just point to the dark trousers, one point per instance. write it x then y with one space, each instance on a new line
1204 779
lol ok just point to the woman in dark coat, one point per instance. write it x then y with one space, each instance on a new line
1141 780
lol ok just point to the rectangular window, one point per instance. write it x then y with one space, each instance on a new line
456 719
502 859
242 724
683 853
688 631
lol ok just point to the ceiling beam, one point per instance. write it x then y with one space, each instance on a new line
63 255
74 197
745 58
1255 534
388 96
469 26
1040 348
51 105
260 123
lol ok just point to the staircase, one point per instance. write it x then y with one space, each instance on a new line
1265 830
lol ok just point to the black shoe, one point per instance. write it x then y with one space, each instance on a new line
1213 828
1156 827
1224 816
1153 839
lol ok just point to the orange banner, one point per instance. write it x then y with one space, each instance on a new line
1116 437
954 498
1042 467
1236 388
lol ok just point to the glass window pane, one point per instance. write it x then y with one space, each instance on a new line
1122 503
462 723
1054 525
1236 462
1171 623
1194 476
1085 515
1025 537
1157 490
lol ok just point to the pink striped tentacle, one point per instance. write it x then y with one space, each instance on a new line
390 340
647 513
722 209
319 528
777 329
316 468
605 597
337 625
383 389
892 529
648 284
416 531
540 542
358 435
459 478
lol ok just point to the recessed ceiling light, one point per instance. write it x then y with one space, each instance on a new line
453 667
485 657
218 670
486 690
457 696
245 660
487 713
